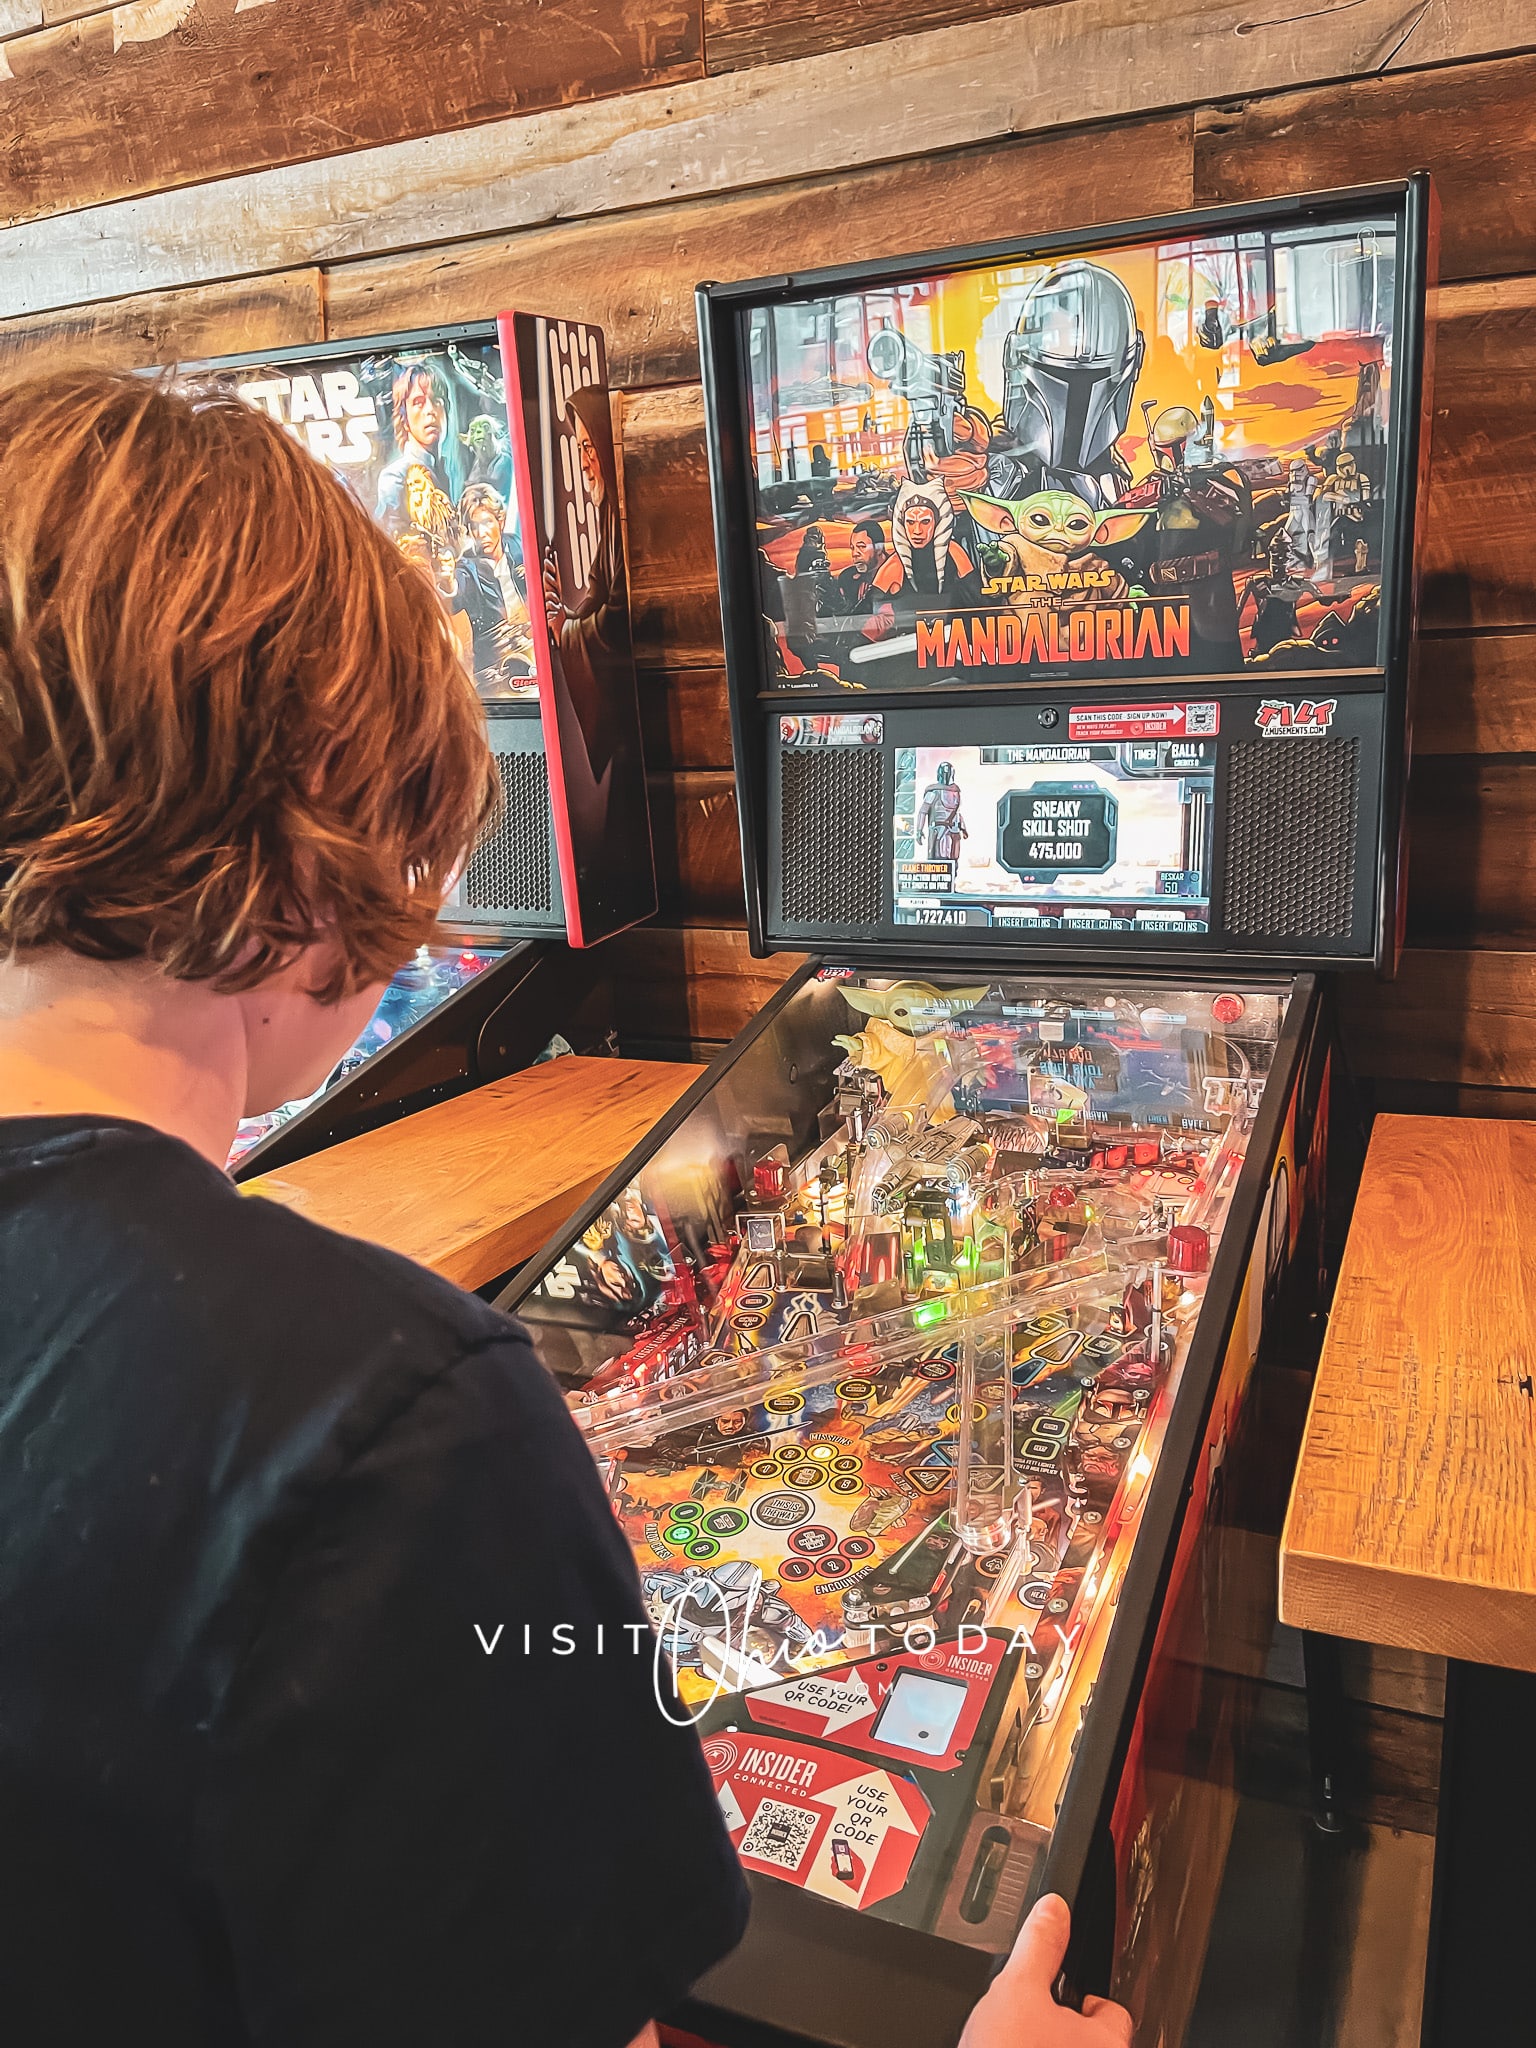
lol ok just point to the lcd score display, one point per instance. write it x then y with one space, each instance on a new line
1079 838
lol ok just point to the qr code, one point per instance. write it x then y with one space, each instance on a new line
1200 718
779 1834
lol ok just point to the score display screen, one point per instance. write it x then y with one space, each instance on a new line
1111 837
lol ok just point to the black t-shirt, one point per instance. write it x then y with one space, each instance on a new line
289 1753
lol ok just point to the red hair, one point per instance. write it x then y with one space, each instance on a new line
232 716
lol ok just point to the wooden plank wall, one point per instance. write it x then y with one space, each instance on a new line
185 177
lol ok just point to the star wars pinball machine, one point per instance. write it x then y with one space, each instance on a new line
1068 597
486 454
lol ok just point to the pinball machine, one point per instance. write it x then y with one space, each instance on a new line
485 451
1068 598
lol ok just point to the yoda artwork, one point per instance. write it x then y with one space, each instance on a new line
1043 550
492 454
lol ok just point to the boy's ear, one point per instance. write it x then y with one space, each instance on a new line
1118 526
991 513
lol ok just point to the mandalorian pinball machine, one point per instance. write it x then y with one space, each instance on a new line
1068 599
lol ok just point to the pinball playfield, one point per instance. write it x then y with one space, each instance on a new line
879 1365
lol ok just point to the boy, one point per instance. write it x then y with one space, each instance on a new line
293 1536
268 1774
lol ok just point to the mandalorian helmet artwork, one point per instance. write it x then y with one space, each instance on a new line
1069 371
1170 435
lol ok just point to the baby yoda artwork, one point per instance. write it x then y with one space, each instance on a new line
1041 550
908 1067
914 1006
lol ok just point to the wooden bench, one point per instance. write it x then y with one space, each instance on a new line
473 1186
1412 1519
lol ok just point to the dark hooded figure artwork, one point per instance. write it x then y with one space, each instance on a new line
589 629
586 612
810 595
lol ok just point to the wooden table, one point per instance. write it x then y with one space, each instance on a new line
473 1186
1412 1520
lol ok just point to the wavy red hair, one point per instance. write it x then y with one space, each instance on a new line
232 717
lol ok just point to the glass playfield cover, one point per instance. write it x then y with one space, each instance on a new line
878 1372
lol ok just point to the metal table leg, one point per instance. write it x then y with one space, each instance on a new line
1482 1924
1327 1729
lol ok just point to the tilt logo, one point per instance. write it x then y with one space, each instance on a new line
1278 718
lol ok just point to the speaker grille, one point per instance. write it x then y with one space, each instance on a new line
832 830
509 869
1291 838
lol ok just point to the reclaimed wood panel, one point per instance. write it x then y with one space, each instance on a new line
684 718
1478 549
1405 1681
726 133
1463 1017
1471 831
168 327
1389 1778
1419 1387
1445 1098
635 276
137 100
740 33
669 532
691 984
54 11
696 835
1473 126
473 1186
1475 693
20 17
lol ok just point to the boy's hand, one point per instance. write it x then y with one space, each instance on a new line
1019 2011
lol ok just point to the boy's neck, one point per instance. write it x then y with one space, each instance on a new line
85 1037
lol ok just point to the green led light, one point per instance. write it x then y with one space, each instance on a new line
929 1313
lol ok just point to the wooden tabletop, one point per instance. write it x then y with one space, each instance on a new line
472 1186
1413 1516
